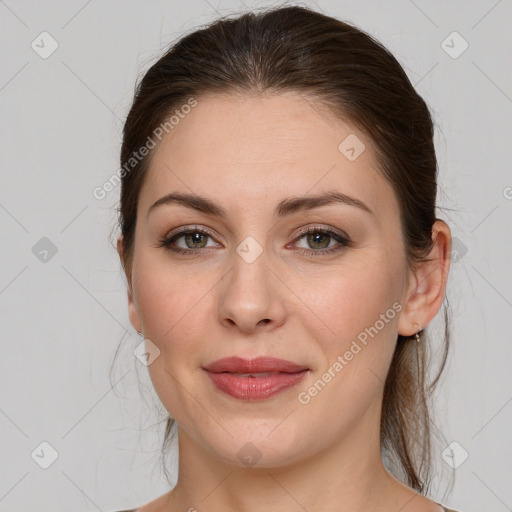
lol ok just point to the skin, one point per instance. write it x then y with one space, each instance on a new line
247 154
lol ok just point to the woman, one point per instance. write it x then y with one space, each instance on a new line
283 259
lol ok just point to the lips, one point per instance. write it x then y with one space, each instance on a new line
254 366
254 379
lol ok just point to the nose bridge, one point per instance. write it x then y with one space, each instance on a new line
252 256
250 268
249 296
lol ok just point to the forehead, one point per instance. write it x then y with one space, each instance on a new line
245 150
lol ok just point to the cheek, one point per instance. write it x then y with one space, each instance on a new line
359 311
168 296
179 308
352 298
173 306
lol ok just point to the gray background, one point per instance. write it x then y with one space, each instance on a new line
63 315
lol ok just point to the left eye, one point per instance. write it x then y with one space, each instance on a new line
320 240
194 237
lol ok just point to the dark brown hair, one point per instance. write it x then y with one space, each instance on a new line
352 75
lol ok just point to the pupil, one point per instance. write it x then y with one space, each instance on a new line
196 237
318 235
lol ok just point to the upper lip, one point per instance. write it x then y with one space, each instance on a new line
258 365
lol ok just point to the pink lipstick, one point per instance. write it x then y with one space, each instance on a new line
254 379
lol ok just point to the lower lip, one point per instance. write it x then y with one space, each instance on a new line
255 388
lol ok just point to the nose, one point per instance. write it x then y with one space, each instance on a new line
251 297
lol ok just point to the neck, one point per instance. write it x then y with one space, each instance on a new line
347 476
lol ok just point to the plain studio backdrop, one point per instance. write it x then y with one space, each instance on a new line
72 439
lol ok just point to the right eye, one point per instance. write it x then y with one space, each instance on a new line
191 236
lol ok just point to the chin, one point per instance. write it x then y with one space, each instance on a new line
259 449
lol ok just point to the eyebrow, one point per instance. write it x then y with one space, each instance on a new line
285 207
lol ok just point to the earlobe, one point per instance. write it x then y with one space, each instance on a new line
120 247
427 284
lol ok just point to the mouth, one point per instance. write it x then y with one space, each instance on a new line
255 366
255 375
255 379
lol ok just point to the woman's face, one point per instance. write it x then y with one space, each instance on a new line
256 286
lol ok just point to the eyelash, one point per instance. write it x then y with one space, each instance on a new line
342 240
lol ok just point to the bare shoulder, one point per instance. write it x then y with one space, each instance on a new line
409 500
422 504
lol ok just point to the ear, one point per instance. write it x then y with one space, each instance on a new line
133 312
427 284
